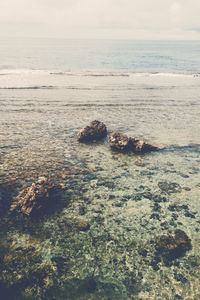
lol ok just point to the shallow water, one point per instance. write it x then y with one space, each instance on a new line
128 200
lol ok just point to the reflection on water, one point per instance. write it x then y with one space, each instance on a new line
128 201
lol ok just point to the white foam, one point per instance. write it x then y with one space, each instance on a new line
94 73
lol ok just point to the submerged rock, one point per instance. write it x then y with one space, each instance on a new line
123 143
172 246
94 131
34 197
83 226
169 187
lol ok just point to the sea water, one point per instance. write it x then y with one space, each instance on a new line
49 90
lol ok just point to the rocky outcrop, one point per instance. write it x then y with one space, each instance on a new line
172 246
119 141
94 131
33 198
123 143
139 146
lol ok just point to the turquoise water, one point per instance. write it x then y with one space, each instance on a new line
49 90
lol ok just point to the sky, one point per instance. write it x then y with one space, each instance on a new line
109 19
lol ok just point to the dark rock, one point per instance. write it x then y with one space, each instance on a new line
123 143
99 219
82 210
174 216
175 207
159 199
164 225
156 207
119 141
178 297
143 252
194 261
172 246
59 261
141 186
184 206
180 277
94 131
190 215
118 204
169 187
180 223
33 198
184 175
155 216
172 223
154 264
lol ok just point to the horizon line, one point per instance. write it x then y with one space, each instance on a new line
99 39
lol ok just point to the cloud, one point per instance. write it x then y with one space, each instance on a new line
101 18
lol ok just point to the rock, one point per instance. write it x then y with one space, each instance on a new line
139 164
143 252
172 246
139 146
94 131
169 187
34 197
119 141
155 216
123 143
187 188
83 226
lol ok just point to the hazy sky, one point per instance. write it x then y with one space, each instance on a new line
124 19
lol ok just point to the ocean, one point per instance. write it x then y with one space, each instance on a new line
49 90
